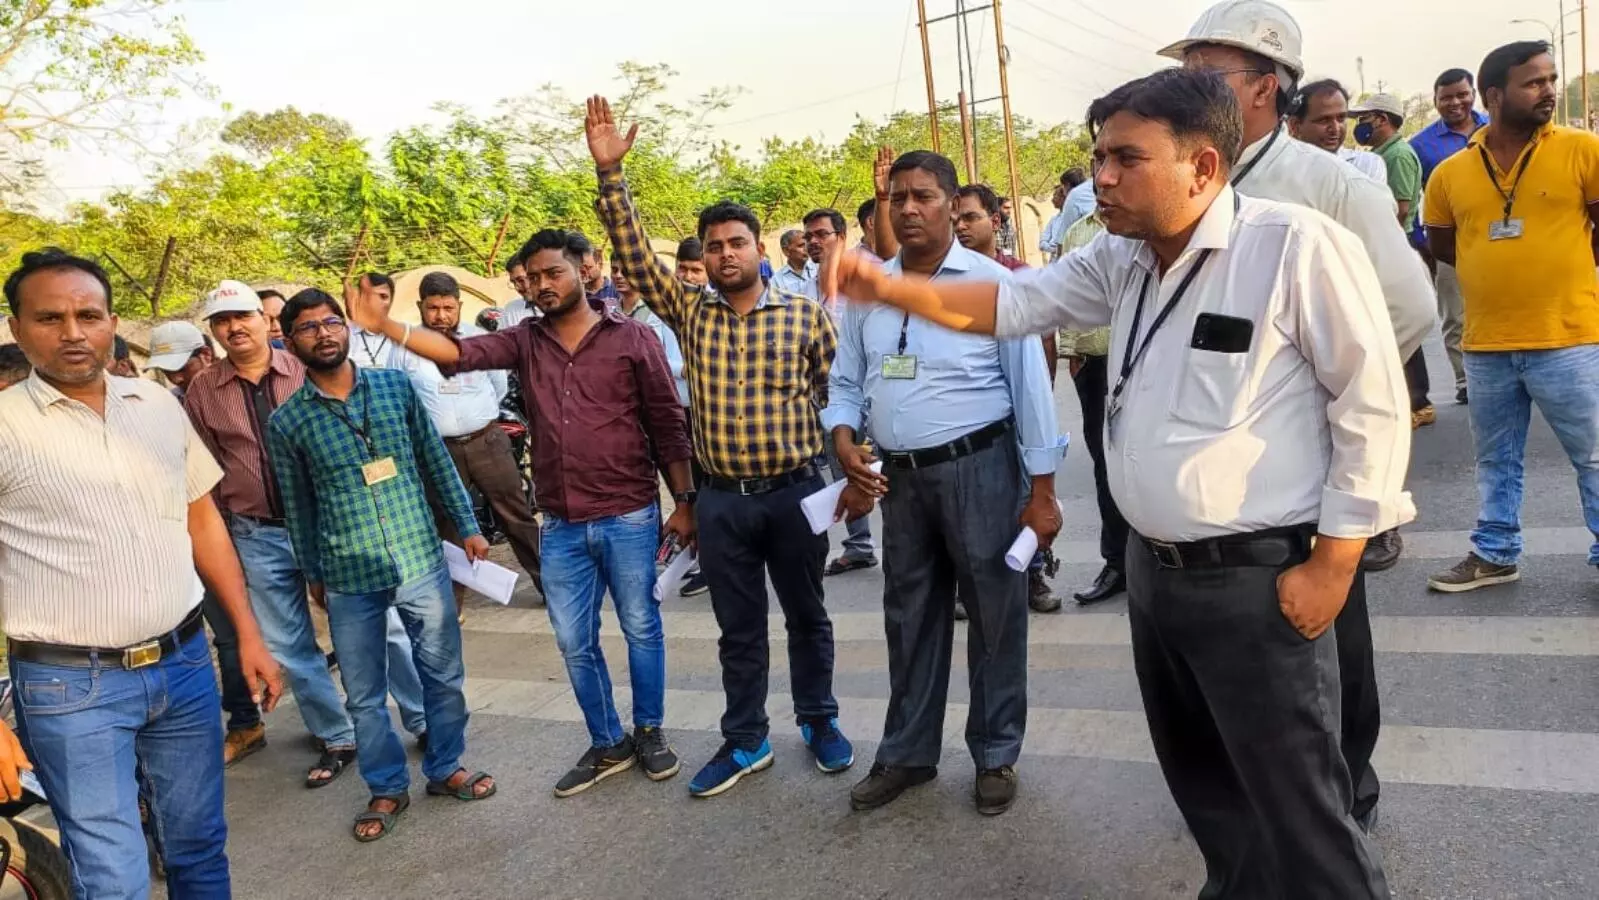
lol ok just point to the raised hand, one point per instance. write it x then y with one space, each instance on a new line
606 144
849 273
880 167
362 307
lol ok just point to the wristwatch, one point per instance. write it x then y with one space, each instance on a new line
688 496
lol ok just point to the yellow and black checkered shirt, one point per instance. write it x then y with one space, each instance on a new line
756 383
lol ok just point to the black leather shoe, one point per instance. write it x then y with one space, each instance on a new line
1108 584
884 784
1382 551
996 790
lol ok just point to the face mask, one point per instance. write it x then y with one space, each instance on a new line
278 343
1363 134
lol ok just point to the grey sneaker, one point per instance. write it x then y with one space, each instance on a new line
655 754
1471 573
1039 595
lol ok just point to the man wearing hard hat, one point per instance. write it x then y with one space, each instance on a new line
1256 45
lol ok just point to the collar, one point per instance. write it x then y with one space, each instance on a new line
360 381
1254 150
958 260
801 274
1214 232
1441 128
1396 138
1480 136
45 394
769 297
611 314
280 364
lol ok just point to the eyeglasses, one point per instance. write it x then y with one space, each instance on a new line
332 324
819 235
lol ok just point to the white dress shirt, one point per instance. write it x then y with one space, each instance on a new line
802 282
1309 424
459 406
1293 171
94 514
516 312
370 350
1366 162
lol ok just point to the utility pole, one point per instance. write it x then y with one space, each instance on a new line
1587 122
927 71
1565 74
1010 135
968 146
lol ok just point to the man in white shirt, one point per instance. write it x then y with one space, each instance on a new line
521 309
1257 434
115 690
368 350
1319 116
798 275
465 409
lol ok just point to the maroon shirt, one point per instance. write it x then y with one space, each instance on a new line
223 408
1008 261
600 418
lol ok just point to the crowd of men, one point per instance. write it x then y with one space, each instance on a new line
1240 301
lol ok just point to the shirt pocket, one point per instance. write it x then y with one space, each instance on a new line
778 364
1212 390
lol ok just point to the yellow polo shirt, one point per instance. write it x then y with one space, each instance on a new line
1539 291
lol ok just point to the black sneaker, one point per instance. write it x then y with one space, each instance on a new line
1382 551
655 754
1461 397
883 784
695 585
996 790
598 764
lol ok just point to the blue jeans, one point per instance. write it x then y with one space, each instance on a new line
277 595
360 629
94 733
582 560
1503 386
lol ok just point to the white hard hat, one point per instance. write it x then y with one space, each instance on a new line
1383 103
231 296
172 343
1253 25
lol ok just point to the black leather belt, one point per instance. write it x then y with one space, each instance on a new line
1270 548
268 521
136 657
748 487
965 445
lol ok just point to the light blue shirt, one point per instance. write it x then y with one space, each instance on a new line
674 351
963 381
1080 201
1054 231
802 283
459 406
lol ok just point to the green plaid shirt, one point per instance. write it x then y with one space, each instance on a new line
349 536
756 382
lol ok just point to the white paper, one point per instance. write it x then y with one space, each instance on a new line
1021 551
492 580
820 506
669 579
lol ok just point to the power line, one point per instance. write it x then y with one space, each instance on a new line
1079 54
1085 29
899 70
813 104
1153 41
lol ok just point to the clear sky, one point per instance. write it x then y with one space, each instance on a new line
806 67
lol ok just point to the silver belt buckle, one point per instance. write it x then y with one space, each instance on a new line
142 655
1166 554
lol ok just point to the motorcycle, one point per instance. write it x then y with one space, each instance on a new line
32 863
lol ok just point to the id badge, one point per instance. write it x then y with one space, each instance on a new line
899 366
378 471
1504 229
450 386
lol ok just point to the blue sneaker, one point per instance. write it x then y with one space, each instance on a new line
728 766
833 751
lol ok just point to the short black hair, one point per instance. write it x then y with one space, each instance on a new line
833 217
438 284
270 292
690 249
310 298
1311 91
1195 105
515 261
573 245
51 259
14 365
119 347
865 212
934 164
1073 177
727 211
378 279
985 197
1452 76
1496 66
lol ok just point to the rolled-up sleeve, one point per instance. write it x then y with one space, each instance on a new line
1343 331
846 384
1033 402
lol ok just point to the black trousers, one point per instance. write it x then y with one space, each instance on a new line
1092 383
1417 380
743 539
1245 717
486 462
237 699
1362 710
945 526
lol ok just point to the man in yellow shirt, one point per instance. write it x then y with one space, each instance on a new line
1514 213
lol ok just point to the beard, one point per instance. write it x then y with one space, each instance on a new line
742 282
319 363
565 305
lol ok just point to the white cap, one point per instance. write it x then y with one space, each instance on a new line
1253 25
1383 103
172 343
231 296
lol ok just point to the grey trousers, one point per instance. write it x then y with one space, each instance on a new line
945 524
1451 316
1245 715
858 542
